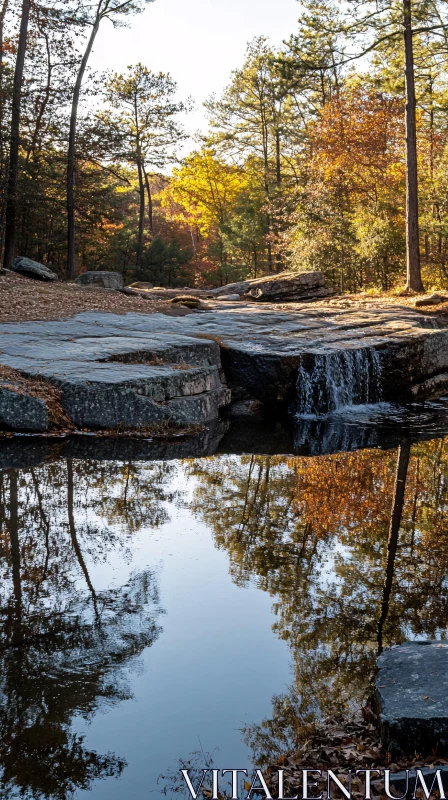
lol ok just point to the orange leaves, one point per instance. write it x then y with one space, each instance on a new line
345 491
352 492
358 142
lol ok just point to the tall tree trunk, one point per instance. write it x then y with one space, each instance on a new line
11 197
413 278
141 217
3 11
270 259
278 161
404 453
150 204
71 149
44 102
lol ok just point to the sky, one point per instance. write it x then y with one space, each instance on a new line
199 42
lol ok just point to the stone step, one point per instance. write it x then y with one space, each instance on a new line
116 395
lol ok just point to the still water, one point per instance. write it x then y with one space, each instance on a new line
153 608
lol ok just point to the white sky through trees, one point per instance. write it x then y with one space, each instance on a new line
198 41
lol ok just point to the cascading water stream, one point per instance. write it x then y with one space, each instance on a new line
338 379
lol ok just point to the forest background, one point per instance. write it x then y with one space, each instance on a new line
303 165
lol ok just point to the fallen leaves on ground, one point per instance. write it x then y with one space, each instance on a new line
24 300
342 746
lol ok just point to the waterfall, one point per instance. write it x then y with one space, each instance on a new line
337 379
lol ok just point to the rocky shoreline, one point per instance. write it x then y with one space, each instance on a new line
112 372
246 344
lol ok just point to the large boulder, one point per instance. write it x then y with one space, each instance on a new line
105 280
430 300
32 269
284 287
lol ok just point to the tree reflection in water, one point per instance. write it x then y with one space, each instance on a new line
353 549
347 574
63 644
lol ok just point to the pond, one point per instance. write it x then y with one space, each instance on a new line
154 607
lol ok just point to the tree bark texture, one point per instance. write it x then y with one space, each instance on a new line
72 152
413 271
141 216
13 175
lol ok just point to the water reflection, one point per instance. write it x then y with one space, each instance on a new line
63 645
351 547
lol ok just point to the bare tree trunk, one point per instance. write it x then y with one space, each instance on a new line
278 175
404 453
71 150
11 197
413 278
141 217
278 162
270 259
150 205
2 143
3 11
43 104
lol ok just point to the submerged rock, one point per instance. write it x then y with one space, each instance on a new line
105 280
411 690
32 269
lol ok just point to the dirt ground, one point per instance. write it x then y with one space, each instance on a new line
23 299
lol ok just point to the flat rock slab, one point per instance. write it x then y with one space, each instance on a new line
113 379
135 369
412 696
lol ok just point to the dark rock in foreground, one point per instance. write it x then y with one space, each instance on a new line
412 696
105 280
20 411
112 379
32 269
406 782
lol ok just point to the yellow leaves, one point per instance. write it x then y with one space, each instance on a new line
204 189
